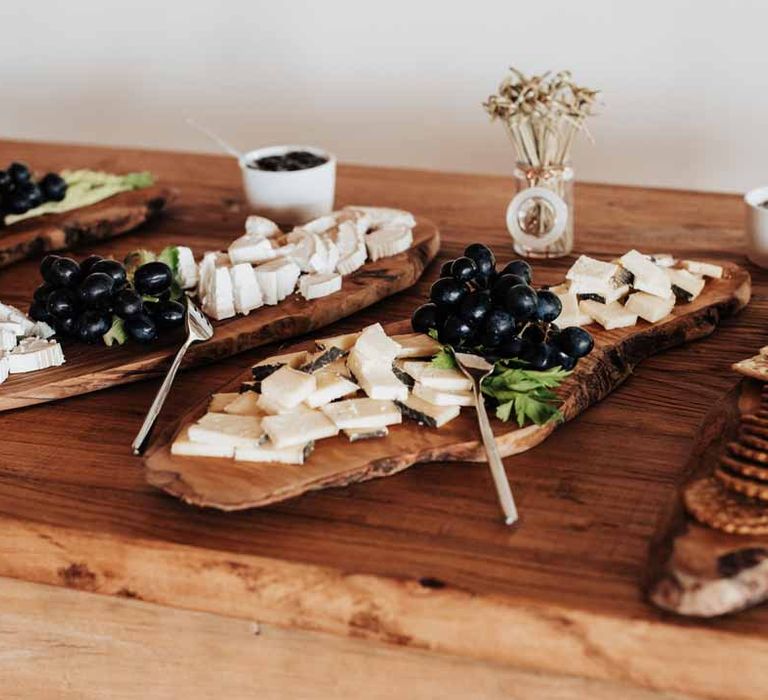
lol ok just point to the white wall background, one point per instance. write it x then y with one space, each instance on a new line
397 82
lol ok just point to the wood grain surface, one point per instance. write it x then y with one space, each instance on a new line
113 217
230 485
696 570
95 367
418 560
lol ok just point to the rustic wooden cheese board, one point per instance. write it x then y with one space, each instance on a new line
107 219
91 368
229 485
696 570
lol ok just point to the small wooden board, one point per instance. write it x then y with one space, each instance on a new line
107 219
696 570
230 485
91 368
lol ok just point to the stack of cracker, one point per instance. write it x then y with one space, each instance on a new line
735 498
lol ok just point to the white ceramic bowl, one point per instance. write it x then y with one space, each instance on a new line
756 224
289 197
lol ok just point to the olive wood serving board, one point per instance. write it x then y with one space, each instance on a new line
230 485
106 219
696 570
91 368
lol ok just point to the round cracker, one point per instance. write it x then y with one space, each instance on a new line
753 441
742 484
746 451
756 430
753 419
709 503
745 467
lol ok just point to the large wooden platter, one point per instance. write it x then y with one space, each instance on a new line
230 485
54 232
91 368
696 570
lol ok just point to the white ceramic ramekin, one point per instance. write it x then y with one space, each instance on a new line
289 197
756 226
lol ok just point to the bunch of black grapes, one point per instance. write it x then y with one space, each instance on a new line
80 300
19 192
499 315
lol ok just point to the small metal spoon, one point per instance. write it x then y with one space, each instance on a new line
477 369
199 329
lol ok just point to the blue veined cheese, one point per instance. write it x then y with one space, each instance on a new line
246 291
226 429
443 397
267 452
288 387
649 277
261 226
286 430
251 249
362 413
649 307
184 447
609 316
33 354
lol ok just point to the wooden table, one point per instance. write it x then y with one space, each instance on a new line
404 586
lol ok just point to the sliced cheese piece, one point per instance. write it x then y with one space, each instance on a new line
184 447
380 382
11 315
384 216
352 261
319 285
33 354
356 434
219 402
273 408
319 225
261 226
286 430
330 386
187 271
7 338
348 238
663 259
388 241
609 316
416 345
440 379
591 269
702 268
286 275
685 285
322 359
251 249
267 452
219 300
267 278
263 368
426 413
288 387
225 429
339 367
375 344
362 413
604 292
343 342
4 368
245 404
246 291
441 397
560 289
649 307
571 314
649 277
17 328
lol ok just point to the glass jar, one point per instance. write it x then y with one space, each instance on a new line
540 216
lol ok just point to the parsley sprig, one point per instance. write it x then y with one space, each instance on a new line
525 393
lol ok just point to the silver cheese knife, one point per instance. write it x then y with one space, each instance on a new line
199 329
477 369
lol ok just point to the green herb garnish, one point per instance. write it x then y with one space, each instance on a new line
444 360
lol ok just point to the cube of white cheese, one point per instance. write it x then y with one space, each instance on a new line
286 430
225 429
184 447
649 307
330 386
319 285
251 249
362 413
288 387
219 300
609 316
260 226
286 274
246 291
267 278
649 277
